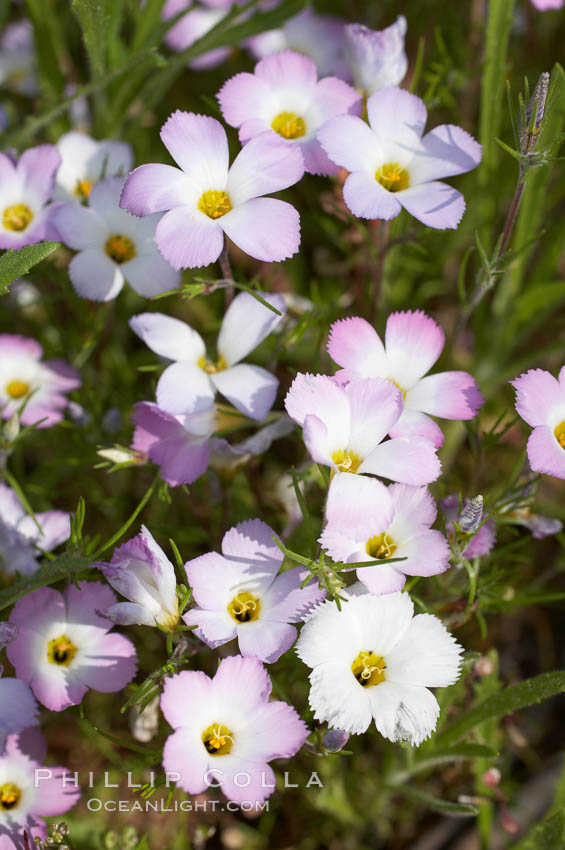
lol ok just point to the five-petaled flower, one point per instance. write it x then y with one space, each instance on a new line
113 246
30 792
141 572
206 198
63 646
367 521
194 378
26 187
344 427
85 161
540 401
393 166
375 660
231 731
33 387
413 343
284 96
240 593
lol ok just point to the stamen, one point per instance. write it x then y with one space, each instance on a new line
83 189
369 669
289 125
346 461
17 217
17 389
61 650
560 434
120 249
217 739
210 367
244 607
10 796
215 204
381 546
393 177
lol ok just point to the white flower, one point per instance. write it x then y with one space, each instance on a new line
85 161
375 660
113 246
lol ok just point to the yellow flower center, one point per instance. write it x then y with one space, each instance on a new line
244 607
346 461
393 177
217 739
17 217
61 651
120 248
17 389
369 669
214 204
381 546
210 367
10 796
83 189
560 434
289 126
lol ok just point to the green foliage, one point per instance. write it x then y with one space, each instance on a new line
15 264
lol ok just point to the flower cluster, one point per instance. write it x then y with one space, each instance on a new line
323 100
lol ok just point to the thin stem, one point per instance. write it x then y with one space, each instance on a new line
227 274
383 235
126 525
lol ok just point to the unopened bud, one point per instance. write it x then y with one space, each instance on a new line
118 455
12 428
335 740
509 824
534 114
484 667
492 777
471 515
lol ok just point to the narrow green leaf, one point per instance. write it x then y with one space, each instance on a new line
14 264
446 807
95 18
64 567
507 701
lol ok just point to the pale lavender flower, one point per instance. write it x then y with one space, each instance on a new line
206 198
393 166
113 246
377 58
540 401
195 377
141 572
284 96
241 594
26 187
85 161
227 731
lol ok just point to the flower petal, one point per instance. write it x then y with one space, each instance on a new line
95 276
336 697
250 389
109 665
382 578
356 346
243 97
266 164
397 118
434 204
443 152
168 337
404 712
265 640
413 343
366 198
320 396
350 143
375 406
538 396
189 239
79 227
450 395
357 507
246 324
426 655
184 388
199 145
150 274
214 628
37 168
413 423
544 452
265 228
410 460
154 188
